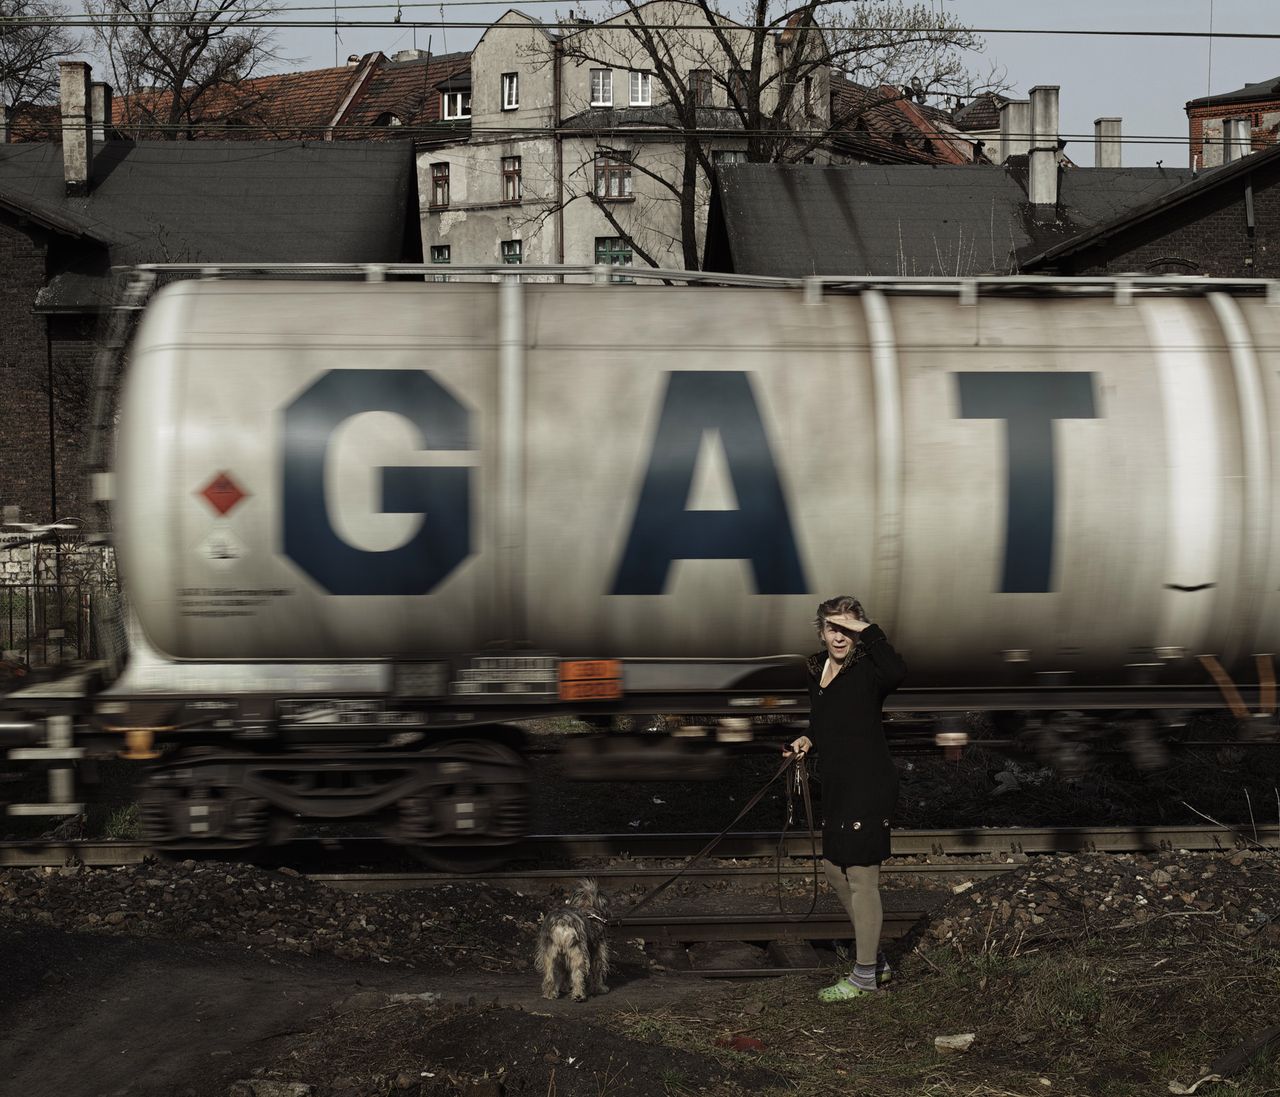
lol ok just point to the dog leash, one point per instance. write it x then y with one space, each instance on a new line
798 782
645 900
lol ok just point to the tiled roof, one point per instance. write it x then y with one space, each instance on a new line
405 90
34 122
287 106
886 128
351 102
981 112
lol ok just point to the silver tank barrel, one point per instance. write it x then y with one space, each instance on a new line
1057 479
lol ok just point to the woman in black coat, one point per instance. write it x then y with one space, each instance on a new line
848 683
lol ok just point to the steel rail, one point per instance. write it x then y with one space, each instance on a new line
615 877
1128 839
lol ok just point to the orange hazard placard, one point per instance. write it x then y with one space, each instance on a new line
577 670
602 689
590 679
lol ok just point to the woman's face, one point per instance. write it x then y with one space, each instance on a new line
838 642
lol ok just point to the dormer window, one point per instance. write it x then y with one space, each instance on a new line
386 118
455 104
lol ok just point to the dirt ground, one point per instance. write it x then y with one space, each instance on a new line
1078 975
1087 975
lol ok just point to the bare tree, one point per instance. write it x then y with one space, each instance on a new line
171 57
31 43
759 80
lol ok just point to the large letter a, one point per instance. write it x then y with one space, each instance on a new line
663 530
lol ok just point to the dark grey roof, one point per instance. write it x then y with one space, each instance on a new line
1266 89
1158 206
905 220
207 201
661 115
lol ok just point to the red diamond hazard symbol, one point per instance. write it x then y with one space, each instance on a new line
223 493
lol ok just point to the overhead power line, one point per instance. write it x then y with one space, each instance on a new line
247 16
307 131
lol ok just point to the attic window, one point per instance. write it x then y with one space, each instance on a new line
455 104
386 118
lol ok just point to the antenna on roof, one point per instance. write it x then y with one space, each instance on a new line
1208 80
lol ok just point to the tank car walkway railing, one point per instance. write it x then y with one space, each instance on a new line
1123 287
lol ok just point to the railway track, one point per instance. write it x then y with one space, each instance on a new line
558 849
724 920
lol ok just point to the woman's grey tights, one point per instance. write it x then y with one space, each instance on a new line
859 889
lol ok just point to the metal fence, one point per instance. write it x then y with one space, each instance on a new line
45 624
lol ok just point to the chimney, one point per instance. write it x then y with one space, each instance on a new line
77 135
4 124
100 111
1106 142
1015 128
1043 184
1237 139
410 55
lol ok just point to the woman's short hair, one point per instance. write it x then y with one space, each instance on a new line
841 603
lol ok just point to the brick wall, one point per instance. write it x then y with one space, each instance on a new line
1207 236
29 344
24 402
1205 125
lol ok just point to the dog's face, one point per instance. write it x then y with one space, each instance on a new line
587 898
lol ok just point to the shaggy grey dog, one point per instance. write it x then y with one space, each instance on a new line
572 945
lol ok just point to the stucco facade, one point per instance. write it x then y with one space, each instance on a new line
589 127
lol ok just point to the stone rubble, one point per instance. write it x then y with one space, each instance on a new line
1075 895
483 928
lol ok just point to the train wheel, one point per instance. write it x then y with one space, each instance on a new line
481 788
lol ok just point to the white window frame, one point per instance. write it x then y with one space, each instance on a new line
602 96
642 89
455 105
510 91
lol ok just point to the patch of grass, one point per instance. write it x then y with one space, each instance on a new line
652 1026
1120 1016
123 825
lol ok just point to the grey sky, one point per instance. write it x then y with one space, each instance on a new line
1146 81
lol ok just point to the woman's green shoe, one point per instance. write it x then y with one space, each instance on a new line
843 991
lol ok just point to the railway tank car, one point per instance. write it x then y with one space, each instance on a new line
406 510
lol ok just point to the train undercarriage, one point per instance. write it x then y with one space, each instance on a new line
459 797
